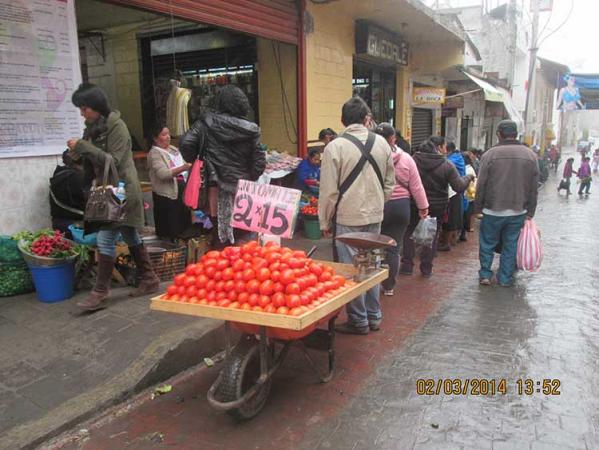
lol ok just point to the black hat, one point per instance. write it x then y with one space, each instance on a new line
507 128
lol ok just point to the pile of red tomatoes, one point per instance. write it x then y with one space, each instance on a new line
271 279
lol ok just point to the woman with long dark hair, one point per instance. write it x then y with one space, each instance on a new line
436 173
107 135
229 145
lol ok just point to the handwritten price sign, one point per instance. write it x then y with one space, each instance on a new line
265 208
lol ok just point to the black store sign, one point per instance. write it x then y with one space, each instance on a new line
376 42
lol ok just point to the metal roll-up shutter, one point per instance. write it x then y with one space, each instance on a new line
271 19
422 125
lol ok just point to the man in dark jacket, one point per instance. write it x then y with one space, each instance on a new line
506 194
229 144
437 173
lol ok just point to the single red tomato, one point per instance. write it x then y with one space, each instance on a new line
264 301
312 279
238 276
203 301
273 258
212 303
295 312
191 269
253 286
210 272
243 297
249 275
179 279
222 264
175 298
201 280
191 291
278 299
247 257
221 296
325 276
253 299
296 263
270 309
210 285
181 290
246 306
275 266
263 274
305 299
339 279
292 289
302 283
240 286
278 287
282 310
235 305
259 263
287 277
257 308
218 275
224 303
293 301
171 290
184 298
189 280
320 288
193 300
228 274
229 286
202 293
209 263
330 286
220 286
316 268
231 295
267 287
300 254
238 265
213 254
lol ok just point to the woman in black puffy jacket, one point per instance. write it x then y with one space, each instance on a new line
229 145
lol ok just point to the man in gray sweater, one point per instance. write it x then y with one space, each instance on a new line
506 194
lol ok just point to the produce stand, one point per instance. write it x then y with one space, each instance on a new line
243 384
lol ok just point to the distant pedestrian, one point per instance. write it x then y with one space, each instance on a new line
585 177
326 135
399 208
455 207
567 175
506 193
469 197
596 161
357 177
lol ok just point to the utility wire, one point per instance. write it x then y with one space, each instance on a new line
559 27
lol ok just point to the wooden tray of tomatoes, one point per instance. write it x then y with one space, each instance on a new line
271 286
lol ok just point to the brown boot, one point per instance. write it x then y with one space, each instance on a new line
148 281
101 291
443 245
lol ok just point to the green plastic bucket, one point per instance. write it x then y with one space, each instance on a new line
312 228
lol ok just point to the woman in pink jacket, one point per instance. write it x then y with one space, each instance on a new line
408 186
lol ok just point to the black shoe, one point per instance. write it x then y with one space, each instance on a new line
374 324
349 328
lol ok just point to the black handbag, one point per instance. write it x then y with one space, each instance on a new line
103 205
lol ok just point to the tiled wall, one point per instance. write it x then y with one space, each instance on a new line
24 192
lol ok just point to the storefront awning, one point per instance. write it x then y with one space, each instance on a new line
492 94
498 94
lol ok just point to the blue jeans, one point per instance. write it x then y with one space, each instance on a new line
106 240
367 306
493 230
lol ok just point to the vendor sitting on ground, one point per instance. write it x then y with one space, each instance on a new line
308 172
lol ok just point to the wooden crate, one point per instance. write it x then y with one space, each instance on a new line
277 320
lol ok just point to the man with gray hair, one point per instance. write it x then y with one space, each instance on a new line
506 194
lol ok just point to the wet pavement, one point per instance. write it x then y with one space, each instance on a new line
446 327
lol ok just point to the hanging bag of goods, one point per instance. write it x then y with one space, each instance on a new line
103 205
530 251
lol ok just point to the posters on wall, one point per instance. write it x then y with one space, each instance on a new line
39 70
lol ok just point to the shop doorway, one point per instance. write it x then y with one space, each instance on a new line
422 125
376 86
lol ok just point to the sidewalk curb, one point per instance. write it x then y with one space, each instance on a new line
162 359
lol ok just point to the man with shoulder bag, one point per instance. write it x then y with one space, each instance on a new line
357 177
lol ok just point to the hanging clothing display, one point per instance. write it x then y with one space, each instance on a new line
177 118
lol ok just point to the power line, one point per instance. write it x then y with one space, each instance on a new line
560 26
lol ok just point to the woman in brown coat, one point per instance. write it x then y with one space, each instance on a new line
106 134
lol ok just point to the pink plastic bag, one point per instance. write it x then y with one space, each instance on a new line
191 196
530 251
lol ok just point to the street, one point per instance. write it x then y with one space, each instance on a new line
445 327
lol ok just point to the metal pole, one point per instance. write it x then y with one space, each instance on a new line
533 60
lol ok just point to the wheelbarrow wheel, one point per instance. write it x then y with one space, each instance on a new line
241 373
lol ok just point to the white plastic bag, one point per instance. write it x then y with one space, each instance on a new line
425 232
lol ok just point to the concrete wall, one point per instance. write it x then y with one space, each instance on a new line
273 112
119 74
24 190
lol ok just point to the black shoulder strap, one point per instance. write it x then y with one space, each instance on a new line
366 152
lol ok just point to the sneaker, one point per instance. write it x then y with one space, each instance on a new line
374 324
350 328
485 282
388 292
